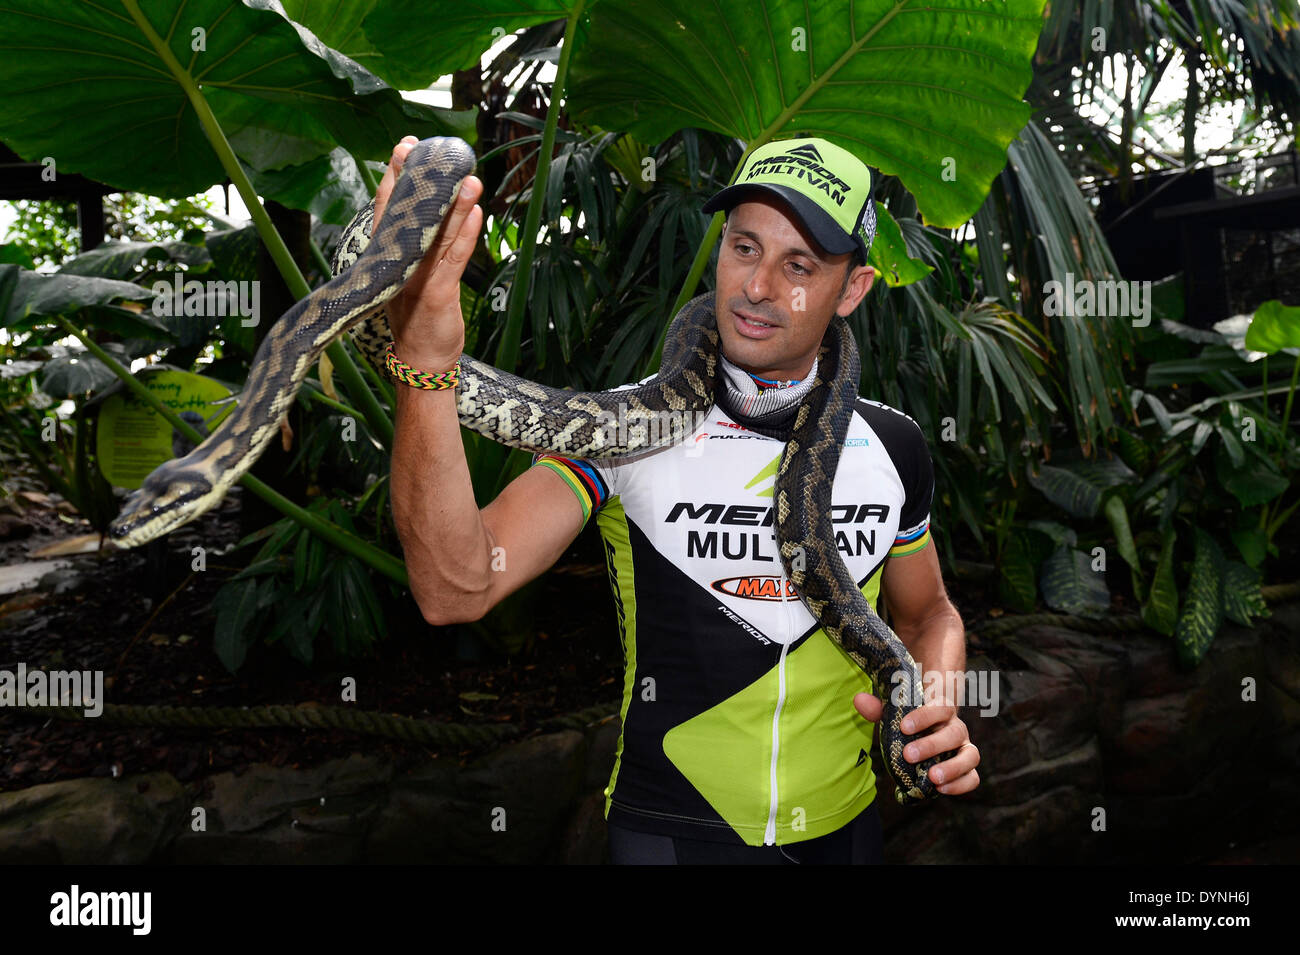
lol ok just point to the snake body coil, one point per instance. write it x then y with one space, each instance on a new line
527 415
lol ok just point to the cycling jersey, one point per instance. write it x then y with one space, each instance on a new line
738 717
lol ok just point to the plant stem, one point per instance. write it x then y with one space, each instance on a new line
380 560
698 266
1290 397
1269 519
384 388
327 401
367 176
380 424
507 356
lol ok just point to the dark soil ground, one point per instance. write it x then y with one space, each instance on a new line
108 623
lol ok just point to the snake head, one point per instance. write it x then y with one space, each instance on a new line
171 495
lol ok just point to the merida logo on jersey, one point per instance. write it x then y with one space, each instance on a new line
754 546
757 516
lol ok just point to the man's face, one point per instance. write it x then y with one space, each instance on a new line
771 271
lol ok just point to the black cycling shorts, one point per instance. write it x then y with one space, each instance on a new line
857 843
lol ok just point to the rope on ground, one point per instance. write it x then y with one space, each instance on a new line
367 722
1129 623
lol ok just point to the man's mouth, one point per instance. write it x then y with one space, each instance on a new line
752 325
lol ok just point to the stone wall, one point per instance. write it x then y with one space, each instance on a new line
1178 763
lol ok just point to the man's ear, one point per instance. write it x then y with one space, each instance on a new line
860 283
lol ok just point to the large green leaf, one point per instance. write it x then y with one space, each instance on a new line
237 605
119 77
28 298
328 187
1203 608
1274 327
118 260
1256 482
1070 585
931 94
77 372
416 50
888 253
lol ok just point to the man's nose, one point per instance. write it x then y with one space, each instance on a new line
758 285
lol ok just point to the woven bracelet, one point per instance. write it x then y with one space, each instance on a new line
419 379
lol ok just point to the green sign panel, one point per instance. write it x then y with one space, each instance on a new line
133 439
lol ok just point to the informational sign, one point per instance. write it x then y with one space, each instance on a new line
133 439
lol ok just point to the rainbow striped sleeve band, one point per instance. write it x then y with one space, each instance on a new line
911 541
582 479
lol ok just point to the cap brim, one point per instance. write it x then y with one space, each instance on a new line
822 227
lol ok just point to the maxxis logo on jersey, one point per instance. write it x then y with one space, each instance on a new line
756 588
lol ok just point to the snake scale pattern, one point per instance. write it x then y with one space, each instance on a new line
534 417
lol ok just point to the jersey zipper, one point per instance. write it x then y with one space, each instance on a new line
769 836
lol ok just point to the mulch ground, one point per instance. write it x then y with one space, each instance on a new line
108 623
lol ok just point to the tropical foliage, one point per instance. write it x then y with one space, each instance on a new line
1054 435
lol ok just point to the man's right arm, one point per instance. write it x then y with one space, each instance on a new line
461 561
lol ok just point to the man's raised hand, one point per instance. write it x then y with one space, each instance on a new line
425 316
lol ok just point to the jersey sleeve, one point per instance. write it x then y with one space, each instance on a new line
910 455
916 471
589 481
592 482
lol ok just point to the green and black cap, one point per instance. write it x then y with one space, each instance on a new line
827 187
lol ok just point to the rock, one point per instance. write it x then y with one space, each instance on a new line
1053 827
602 741
1055 709
90 821
275 815
1080 768
586 838
512 807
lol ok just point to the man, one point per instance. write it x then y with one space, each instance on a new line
739 743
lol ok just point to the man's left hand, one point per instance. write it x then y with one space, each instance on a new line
953 776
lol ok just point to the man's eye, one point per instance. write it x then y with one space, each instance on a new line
800 268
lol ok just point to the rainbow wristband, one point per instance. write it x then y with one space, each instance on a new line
419 379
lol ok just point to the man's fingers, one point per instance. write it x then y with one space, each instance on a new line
947 736
452 225
456 238
869 706
957 775
926 716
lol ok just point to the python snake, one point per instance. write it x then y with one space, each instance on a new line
535 417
